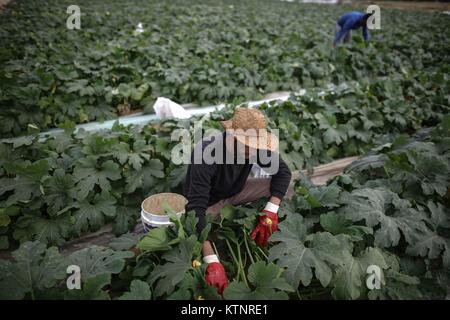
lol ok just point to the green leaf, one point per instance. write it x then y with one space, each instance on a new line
333 133
87 175
4 218
158 239
299 256
136 156
431 245
227 212
21 141
431 242
92 289
317 197
4 243
327 196
125 219
139 290
34 268
51 231
77 85
177 176
59 191
7 156
337 224
61 141
267 283
91 214
193 286
65 73
384 208
97 145
139 92
350 278
124 90
46 79
95 261
396 284
178 263
410 165
440 215
145 178
267 276
27 184
125 241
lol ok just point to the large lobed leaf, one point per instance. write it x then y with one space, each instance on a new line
266 281
303 256
34 268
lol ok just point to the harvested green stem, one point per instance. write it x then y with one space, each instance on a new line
234 258
263 253
257 257
248 248
241 267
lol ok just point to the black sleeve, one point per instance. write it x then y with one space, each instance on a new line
280 179
197 190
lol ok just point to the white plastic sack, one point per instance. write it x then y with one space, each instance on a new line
139 29
166 108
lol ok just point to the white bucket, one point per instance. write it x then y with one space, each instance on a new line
152 214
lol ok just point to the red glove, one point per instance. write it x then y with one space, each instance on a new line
267 225
216 276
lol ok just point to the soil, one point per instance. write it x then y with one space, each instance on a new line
154 205
130 112
406 5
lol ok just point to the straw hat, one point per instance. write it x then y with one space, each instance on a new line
249 127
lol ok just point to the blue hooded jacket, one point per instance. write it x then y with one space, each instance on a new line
351 21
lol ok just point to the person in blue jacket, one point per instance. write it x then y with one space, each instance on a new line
348 22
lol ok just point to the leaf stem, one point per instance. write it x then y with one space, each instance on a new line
241 267
257 257
234 258
248 249
263 253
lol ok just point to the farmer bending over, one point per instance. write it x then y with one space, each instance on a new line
348 22
210 185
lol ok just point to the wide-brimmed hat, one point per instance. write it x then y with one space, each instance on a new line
249 127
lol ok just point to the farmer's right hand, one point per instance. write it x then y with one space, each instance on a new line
215 273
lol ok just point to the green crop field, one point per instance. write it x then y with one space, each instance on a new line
191 52
387 100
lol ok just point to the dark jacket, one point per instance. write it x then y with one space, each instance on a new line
206 184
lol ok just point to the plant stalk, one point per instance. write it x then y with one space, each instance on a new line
235 261
241 267
248 248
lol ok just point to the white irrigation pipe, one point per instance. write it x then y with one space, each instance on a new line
141 119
